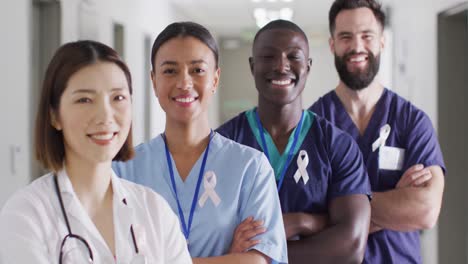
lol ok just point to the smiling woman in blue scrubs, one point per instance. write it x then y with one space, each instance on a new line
322 181
214 184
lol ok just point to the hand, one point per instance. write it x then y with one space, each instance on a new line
415 176
245 231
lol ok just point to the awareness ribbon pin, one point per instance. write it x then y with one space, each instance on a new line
302 162
209 183
384 132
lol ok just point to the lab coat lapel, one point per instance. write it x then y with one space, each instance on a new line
123 219
80 222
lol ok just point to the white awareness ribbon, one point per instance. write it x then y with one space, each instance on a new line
384 132
302 162
209 183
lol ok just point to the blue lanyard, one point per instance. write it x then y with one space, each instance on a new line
186 229
291 150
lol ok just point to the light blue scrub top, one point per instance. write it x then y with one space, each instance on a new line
245 184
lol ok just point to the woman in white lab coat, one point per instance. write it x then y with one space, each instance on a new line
81 212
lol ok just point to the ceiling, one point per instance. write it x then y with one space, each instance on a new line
234 18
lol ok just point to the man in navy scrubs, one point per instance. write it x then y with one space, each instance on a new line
397 140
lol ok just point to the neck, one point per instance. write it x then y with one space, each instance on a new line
91 182
360 103
186 138
279 120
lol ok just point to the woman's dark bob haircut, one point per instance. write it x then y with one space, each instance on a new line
67 60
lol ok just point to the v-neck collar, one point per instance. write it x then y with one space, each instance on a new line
351 128
191 180
277 159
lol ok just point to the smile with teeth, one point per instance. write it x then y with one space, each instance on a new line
105 136
358 59
185 99
281 82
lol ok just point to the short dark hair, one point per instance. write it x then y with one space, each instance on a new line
68 60
185 29
340 5
281 24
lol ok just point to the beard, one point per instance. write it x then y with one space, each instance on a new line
359 79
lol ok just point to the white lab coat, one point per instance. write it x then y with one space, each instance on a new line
32 225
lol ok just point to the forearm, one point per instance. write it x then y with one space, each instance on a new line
250 257
343 240
338 244
303 224
401 209
410 208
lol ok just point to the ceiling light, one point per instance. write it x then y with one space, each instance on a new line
260 13
263 16
286 13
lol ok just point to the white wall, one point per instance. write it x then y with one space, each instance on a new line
415 38
14 109
322 77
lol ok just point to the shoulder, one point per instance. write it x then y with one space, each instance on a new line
324 128
331 137
322 102
28 210
230 128
145 155
239 161
31 195
150 147
231 148
144 197
411 115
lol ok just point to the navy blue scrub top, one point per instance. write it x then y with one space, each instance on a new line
411 131
335 166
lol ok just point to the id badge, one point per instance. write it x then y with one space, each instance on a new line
391 158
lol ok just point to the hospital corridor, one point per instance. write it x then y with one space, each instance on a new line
415 57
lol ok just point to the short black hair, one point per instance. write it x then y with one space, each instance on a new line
281 24
340 5
185 29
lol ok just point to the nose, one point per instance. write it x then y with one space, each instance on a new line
104 112
282 64
357 44
185 81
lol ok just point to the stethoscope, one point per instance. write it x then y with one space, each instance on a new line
137 259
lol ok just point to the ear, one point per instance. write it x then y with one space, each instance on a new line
54 120
382 41
309 64
153 82
251 64
331 43
216 80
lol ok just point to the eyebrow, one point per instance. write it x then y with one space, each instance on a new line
174 63
367 31
292 47
91 91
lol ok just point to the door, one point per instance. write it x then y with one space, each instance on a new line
453 132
